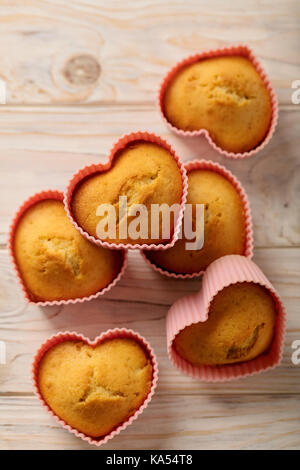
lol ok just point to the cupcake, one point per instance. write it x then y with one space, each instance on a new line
224 95
55 262
95 389
240 326
142 172
224 222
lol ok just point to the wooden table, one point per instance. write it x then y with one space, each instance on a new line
79 74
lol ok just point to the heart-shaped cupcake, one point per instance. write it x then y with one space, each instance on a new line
95 389
233 327
142 170
227 224
224 95
54 264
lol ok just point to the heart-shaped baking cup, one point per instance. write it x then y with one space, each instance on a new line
90 170
42 196
237 50
248 250
107 336
223 272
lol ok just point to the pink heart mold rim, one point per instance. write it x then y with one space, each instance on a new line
241 50
31 201
96 168
107 335
194 308
248 251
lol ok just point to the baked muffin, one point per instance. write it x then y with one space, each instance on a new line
55 261
240 327
95 389
144 172
224 225
224 95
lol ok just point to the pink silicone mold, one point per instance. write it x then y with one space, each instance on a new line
194 308
110 334
58 195
122 143
240 50
248 250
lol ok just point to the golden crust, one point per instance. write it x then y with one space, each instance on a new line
224 229
55 261
240 327
95 389
144 172
224 95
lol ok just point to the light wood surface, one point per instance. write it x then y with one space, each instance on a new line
50 127
134 42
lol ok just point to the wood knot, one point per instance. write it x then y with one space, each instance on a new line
81 70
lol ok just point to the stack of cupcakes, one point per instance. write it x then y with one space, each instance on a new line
233 327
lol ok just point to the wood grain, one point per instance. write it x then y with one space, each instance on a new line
134 43
79 74
171 422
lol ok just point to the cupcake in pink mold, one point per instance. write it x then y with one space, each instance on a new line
53 263
95 389
141 169
233 327
224 95
225 226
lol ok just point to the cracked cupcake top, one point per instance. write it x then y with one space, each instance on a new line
55 261
224 225
240 326
145 173
224 95
95 388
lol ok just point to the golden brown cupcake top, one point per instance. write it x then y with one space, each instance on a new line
224 95
240 327
145 173
224 225
55 261
94 389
